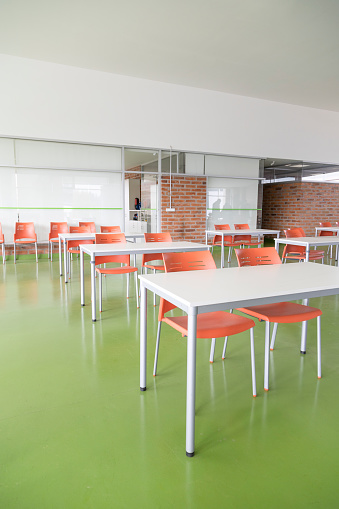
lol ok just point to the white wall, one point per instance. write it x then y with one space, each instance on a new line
50 101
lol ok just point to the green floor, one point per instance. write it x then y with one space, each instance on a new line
76 432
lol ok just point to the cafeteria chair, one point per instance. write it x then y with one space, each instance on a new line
2 242
88 224
299 252
325 233
124 260
246 240
25 234
155 257
73 245
209 325
54 230
228 240
110 229
282 312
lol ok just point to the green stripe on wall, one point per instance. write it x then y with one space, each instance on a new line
61 208
233 209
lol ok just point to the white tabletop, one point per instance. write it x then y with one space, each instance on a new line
310 241
140 248
91 236
253 231
327 228
217 289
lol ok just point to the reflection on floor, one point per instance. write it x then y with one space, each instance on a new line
77 433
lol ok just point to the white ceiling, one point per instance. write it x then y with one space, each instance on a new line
281 50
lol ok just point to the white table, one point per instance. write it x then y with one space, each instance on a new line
221 289
309 242
334 229
94 250
64 237
255 232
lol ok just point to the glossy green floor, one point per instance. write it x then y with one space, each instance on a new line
77 433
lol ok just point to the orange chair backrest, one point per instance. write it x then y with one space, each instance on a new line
217 238
257 256
242 226
326 224
110 229
24 231
179 262
2 240
90 224
56 228
78 229
292 233
111 238
155 237
158 237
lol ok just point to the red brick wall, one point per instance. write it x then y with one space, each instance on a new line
188 222
299 204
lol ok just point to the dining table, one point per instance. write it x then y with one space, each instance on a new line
256 232
203 291
128 248
309 242
64 237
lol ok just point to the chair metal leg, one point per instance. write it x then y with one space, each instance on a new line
36 252
274 333
224 349
212 350
51 249
154 294
3 253
136 288
157 350
229 254
267 353
128 285
100 292
319 345
225 343
254 383
14 252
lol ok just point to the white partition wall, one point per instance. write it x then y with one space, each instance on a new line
231 200
47 181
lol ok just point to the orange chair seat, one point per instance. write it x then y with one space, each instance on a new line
295 255
282 312
153 267
212 325
25 241
116 270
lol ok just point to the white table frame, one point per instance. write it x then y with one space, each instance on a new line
254 232
64 237
309 242
221 289
94 250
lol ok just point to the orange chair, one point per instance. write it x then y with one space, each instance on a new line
245 240
88 224
209 325
283 312
73 245
299 252
228 240
154 237
110 229
325 233
54 230
111 238
2 242
25 234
